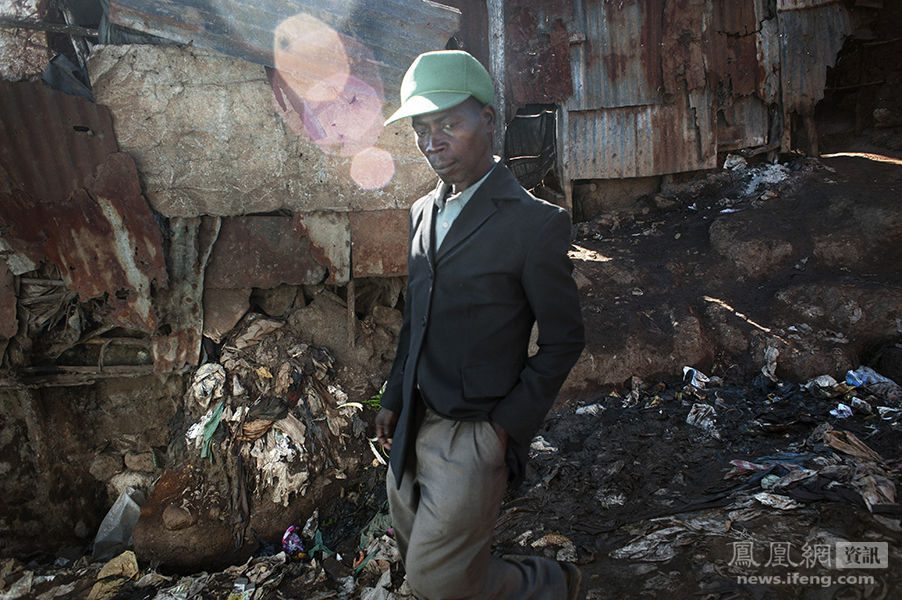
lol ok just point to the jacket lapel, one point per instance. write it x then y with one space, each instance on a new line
426 232
477 211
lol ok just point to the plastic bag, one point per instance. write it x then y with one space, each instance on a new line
115 532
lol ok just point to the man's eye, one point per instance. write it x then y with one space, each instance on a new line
448 126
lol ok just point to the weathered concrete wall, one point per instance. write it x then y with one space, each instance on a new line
206 133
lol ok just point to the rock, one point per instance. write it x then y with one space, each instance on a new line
389 318
177 517
324 322
868 311
222 311
138 480
749 249
203 543
838 249
140 461
276 301
105 466
663 202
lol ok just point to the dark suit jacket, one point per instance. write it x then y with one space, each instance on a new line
469 312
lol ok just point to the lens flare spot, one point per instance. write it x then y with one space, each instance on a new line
308 52
350 123
372 168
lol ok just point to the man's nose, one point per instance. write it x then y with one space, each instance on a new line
433 142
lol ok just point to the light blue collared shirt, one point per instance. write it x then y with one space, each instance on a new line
449 208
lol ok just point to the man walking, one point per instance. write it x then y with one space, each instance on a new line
464 399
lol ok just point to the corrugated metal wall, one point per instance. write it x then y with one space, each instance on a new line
662 87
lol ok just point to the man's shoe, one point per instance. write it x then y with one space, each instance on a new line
573 576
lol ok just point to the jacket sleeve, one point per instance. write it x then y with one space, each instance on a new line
554 300
392 396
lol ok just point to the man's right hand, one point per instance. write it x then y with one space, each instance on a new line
386 421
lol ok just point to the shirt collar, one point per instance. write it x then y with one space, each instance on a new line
467 193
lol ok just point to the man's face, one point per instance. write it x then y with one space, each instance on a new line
457 142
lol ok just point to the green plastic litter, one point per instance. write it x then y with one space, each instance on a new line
209 429
318 545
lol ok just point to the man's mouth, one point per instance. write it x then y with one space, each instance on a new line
441 165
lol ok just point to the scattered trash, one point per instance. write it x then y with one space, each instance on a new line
591 409
825 387
865 375
768 174
776 501
848 443
381 591
771 353
888 414
567 552
242 590
860 406
735 162
695 378
208 383
875 384
539 444
113 576
292 544
704 416
841 411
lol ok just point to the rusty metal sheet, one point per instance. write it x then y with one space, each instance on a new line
103 237
107 242
473 32
176 345
767 47
379 240
745 123
390 32
811 40
72 199
732 59
617 59
537 52
641 104
8 324
636 142
330 241
51 142
263 252
683 44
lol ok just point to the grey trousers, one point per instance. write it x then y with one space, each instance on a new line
444 516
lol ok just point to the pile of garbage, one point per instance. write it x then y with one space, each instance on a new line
267 429
276 403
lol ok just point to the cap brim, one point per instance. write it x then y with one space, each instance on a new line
427 103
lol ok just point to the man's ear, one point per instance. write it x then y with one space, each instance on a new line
487 113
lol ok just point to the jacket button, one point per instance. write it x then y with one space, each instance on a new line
424 321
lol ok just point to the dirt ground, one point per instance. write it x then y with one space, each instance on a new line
620 482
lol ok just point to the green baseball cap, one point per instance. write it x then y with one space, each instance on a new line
439 80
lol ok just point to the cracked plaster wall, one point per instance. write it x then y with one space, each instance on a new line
207 139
